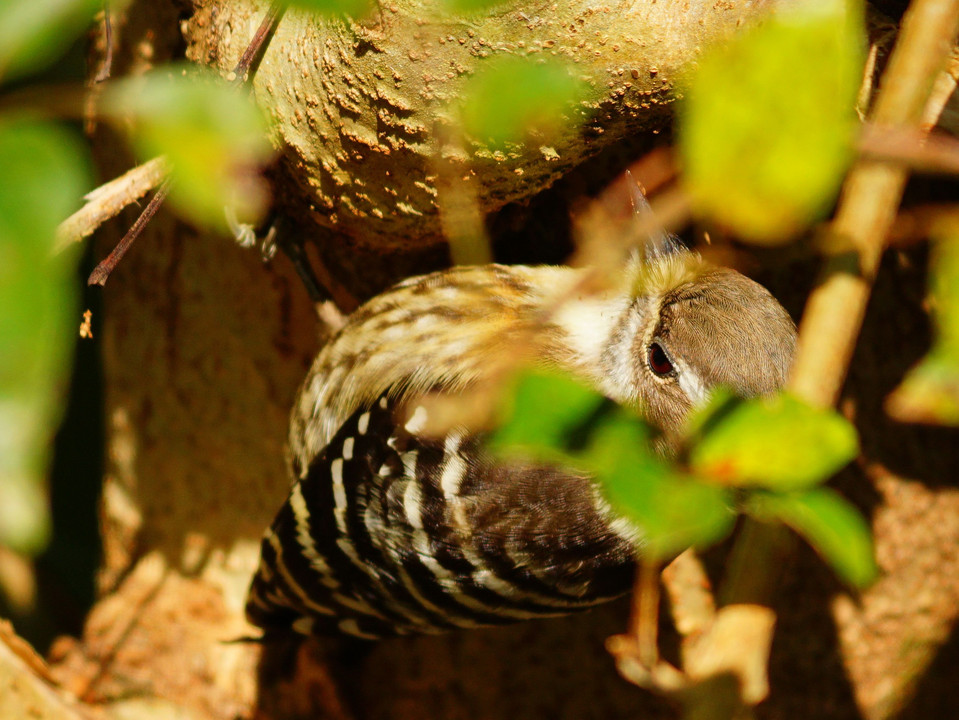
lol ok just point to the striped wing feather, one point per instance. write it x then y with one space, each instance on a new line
389 533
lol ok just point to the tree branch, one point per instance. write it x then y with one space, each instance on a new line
109 199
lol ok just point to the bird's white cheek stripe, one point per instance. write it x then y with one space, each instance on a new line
692 385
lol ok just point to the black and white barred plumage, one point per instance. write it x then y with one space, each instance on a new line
388 530
389 533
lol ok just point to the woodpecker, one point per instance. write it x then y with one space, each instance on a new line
391 530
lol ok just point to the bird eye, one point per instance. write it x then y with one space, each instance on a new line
658 360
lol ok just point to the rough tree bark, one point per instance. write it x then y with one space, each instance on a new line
204 347
365 111
359 106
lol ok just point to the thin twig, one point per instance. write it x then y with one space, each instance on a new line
918 222
107 66
92 216
911 147
109 199
102 271
262 34
758 545
691 600
461 217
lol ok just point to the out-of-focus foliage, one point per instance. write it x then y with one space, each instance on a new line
514 99
213 135
829 523
762 456
783 449
767 125
555 419
543 413
672 509
465 7
930 392
33 33
43 174
361 8
779 442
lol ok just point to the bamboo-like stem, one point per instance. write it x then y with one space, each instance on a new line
834 312
867 209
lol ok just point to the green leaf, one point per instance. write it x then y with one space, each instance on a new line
43 175
34 33
211 132
513 99
555 419
544 412
829 523
930 391
766 131
353 8
778 442
672 511
944 287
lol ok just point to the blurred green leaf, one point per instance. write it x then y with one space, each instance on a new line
672 511
944 285
554 418
34 33
767 127
778 442
544 411
513 99
213 135
43 175
829 523
930 391
353 8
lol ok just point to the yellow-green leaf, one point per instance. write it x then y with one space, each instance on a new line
34 33
466 7
353 8
930 391
555 419
829 523
211 132
543 414
671 511
516 99
944 284
778 442
767 125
